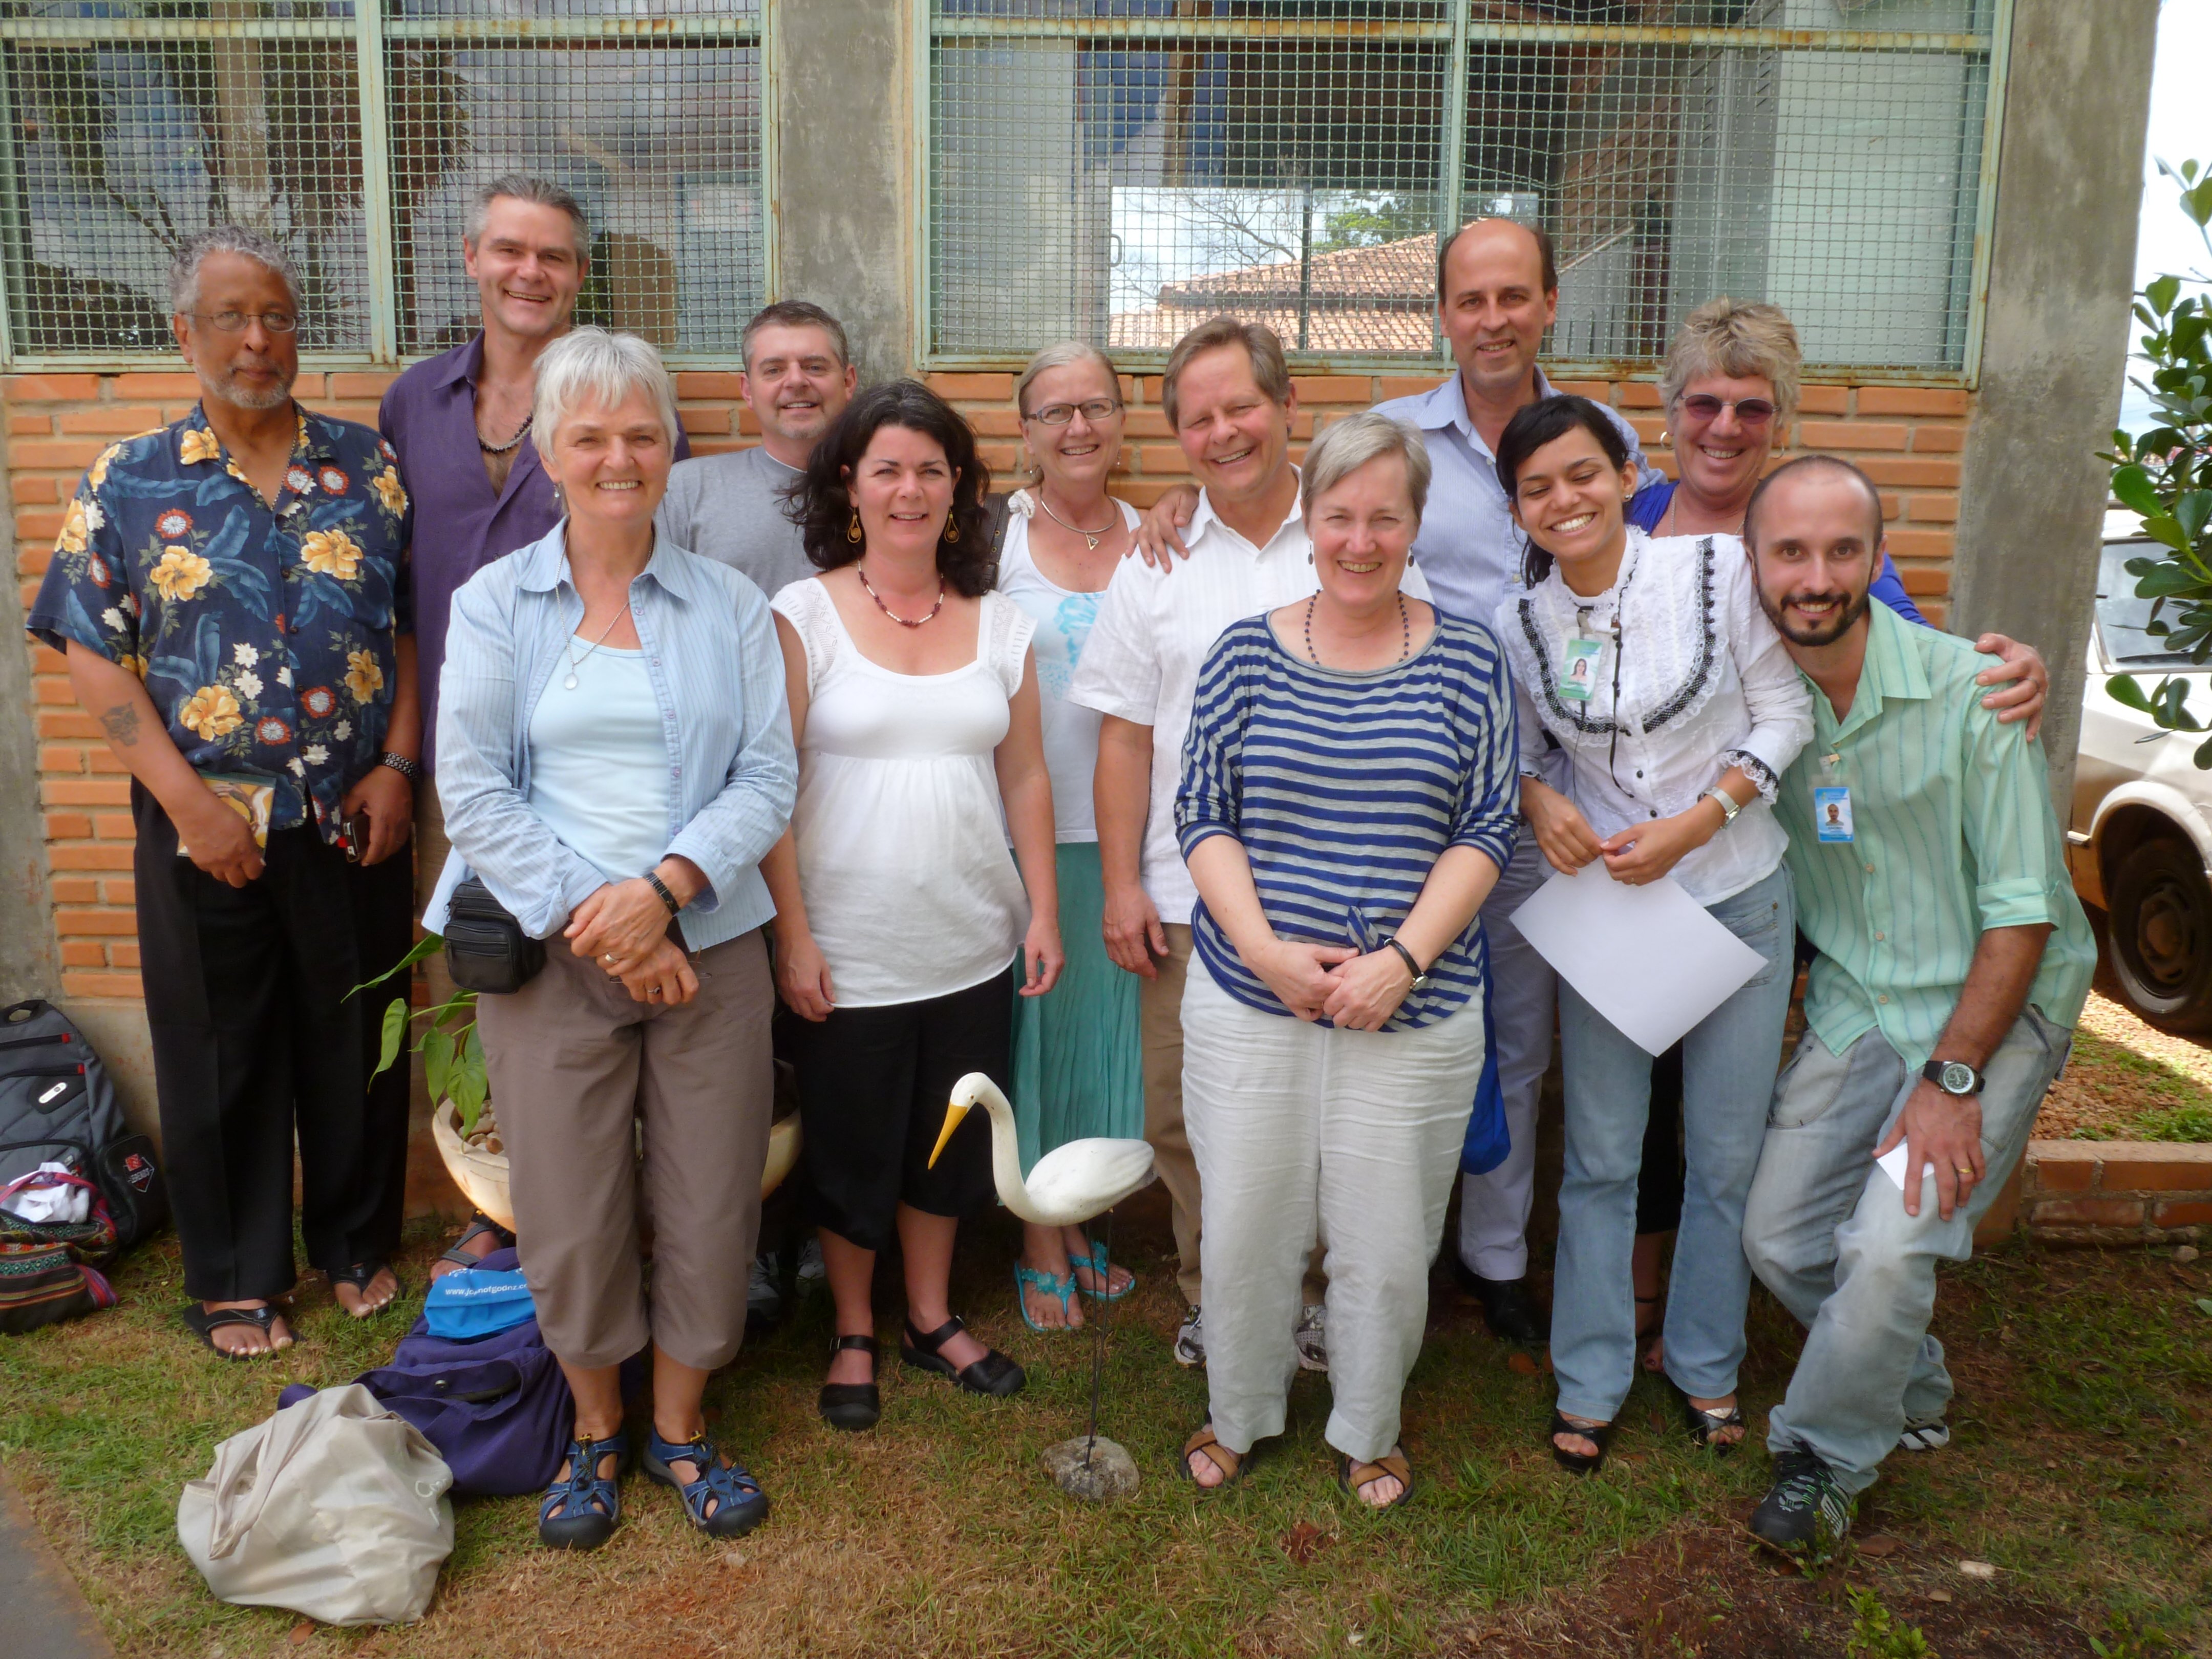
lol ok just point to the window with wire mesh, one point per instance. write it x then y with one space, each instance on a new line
1118 170
132 128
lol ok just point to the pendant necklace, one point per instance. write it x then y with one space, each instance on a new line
576 662
905 621
1091 537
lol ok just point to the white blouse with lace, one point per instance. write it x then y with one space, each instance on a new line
1704 683
911 890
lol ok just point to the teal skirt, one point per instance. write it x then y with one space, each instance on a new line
1077 1058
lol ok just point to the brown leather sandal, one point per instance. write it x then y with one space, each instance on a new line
1203 1444
1392 1465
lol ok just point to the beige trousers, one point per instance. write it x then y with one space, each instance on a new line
574 1064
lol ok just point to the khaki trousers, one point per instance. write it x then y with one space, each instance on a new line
574 1064
1159 1009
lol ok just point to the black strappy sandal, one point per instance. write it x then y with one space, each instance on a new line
852 1406
1705 1426
994 1375
1598 1434
480 1226
361 1275
205 1324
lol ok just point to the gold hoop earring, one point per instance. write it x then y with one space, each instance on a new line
853 530
951 528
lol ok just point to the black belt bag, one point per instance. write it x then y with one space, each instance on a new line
486 949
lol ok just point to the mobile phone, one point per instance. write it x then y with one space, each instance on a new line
356 837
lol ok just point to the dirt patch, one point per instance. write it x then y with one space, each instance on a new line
1705 1589
2123 1069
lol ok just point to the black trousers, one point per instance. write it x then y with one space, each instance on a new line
256 1040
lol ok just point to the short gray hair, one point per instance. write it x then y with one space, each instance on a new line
1342 449
528 187
1066 355
184 270
1738 338
591 365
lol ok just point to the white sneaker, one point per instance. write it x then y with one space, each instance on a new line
1924 1437
812 1275
1312 1337
1190 1340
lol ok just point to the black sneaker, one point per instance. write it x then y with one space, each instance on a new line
1806 1510
1507 1307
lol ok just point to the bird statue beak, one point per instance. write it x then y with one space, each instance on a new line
953 1115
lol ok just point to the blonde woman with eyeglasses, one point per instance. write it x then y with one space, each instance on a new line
1078 1062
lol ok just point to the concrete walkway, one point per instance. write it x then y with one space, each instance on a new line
47 1616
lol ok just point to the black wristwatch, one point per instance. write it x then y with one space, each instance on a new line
1953 1077
660 887
1420 973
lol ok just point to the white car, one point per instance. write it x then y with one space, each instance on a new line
2140 841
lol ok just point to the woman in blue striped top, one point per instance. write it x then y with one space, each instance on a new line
1348 798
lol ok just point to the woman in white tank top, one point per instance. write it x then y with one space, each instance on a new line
904 926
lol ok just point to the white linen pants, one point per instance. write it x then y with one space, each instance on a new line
1302 1132
1493 1211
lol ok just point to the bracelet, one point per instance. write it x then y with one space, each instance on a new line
1729 808
411 770
661 888
1411 966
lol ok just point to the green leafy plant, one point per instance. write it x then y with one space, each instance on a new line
453 1056
2165 473
1877 1634
2129 1640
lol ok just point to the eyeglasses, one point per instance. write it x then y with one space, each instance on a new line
1703 406
1096 410
234 322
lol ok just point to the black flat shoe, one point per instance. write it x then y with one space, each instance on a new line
361 1276
852 1406
1507 1307
994 1375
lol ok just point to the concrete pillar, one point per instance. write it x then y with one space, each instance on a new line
844 132
2055 342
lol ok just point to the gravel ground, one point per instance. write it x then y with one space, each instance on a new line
2129 1081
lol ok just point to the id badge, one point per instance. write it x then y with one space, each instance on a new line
1832 812
1578 669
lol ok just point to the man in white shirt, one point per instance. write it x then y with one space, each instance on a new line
1227 393
798 378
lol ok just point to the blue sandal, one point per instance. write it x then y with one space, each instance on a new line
589 1502
1101 1269
1051 1285
740 1505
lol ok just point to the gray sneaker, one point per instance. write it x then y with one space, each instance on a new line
1312 1337
812 1275
1190 1340
1931 1435
764 1292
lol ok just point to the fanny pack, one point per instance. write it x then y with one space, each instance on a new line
486 949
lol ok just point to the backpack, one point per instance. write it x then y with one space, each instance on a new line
57 1105
40 1285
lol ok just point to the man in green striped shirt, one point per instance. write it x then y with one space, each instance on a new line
1954 962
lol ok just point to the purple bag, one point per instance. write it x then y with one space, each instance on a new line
496 1408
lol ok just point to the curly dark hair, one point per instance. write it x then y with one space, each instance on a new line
821 505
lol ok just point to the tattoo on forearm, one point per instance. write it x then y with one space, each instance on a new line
121 724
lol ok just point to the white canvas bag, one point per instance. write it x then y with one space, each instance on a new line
333 1508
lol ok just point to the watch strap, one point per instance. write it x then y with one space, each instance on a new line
1727 802
1420 975
1935 1069
409 770
661 888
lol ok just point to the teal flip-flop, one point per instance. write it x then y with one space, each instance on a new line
1102 1270
1051 1285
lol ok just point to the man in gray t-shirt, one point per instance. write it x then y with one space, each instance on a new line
798 379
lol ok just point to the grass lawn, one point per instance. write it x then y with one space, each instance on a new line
2129 1081
2078 1469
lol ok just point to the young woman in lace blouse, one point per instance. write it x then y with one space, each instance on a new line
1685 713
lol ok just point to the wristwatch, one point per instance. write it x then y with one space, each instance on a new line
1420 973
1953 1077
1729 807
411 770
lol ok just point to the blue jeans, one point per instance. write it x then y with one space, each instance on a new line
1827 1233
1728 1079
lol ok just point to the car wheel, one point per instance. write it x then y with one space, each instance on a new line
2161 935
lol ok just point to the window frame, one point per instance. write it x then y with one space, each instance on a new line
1461 28
369 29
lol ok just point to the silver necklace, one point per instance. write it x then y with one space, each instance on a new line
576 662
1091 537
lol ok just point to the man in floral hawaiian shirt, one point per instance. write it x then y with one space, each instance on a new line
231 593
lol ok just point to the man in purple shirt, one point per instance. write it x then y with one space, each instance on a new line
460 423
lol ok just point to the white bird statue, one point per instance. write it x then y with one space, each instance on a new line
1070 1184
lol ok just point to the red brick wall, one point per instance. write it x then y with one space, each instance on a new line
1907 438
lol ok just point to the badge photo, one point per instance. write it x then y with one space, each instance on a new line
1831 813
1578 669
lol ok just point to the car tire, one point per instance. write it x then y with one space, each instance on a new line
2160 933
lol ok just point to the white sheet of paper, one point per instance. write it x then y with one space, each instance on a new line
1650 958
434 913
1892 1163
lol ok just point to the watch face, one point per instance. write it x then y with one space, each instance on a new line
1958 1077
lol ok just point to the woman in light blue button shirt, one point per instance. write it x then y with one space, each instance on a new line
614 757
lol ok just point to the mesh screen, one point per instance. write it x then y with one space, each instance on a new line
128 130
1117 170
